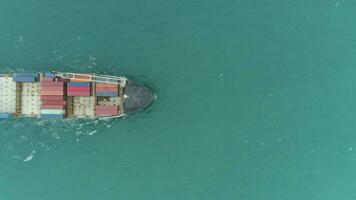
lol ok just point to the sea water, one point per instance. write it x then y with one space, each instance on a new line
255 100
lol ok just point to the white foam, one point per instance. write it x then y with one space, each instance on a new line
92 132
30 157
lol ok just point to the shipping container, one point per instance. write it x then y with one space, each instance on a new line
78 94
25 74
106 110
79 89
52 84
106 107
52 93
107 85
46 102
51 116
30 99
7 95
53 111
54 97
106 89
53 107
25 79
107 94
84 107
78 84
52 88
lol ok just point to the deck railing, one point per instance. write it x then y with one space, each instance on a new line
92 77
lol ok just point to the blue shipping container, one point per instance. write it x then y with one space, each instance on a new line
107 94
78 84
26 74
25 79
51 116
6 115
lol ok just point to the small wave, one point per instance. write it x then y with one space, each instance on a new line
26 138
30 157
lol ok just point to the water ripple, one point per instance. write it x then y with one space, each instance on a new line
25 138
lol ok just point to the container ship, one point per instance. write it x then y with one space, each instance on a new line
60 95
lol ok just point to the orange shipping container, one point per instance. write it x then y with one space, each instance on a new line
52 88
50 93
107 85
106 89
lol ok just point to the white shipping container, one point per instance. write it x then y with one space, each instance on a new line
83 107
7 95
30 99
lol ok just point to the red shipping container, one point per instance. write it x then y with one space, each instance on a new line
106 113
52 88
53 107
78 94
106 110
52 84
101 113
79 89
47 102
106 107
106 89
47 97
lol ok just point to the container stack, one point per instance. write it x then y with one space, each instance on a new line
25 77
7 96
79 89
106 110
107 90
53 98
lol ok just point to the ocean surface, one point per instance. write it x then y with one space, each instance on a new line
256 100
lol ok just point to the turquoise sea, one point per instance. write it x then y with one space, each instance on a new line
256 100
